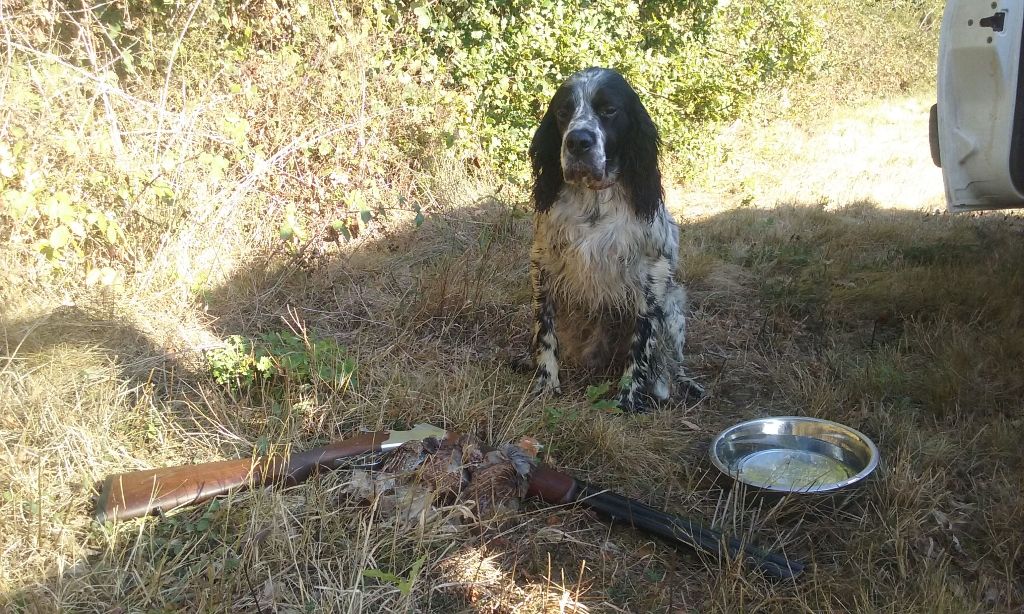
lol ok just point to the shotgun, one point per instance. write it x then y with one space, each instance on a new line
139 493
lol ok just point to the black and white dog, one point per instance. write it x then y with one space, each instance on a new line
605 248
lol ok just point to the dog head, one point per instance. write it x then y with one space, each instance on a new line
597 133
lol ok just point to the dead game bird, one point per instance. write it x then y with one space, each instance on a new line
440 466
498 483
447 471
410 455
393 473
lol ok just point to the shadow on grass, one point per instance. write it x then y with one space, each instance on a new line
902 324
389 304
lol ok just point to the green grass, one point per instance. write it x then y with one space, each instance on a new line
301 210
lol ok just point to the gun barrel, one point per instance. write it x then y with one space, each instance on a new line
558 488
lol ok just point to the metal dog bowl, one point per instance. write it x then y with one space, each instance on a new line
792 454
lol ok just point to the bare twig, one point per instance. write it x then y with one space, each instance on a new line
167 79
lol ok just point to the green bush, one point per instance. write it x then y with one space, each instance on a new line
693 62
131 121
344 112
280 359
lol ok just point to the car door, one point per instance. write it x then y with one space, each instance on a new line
977 126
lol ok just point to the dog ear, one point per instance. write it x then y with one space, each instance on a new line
546 157
640 172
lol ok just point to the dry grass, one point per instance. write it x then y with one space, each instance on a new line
874 152
856 131
870 50
905 324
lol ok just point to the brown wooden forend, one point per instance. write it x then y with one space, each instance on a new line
552 486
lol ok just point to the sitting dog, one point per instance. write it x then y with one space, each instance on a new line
605 249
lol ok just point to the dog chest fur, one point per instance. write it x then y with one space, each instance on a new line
597 252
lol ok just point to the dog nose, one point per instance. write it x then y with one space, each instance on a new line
579 141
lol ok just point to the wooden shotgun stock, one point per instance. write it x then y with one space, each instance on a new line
140 493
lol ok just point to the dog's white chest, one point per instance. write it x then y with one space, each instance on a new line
594 247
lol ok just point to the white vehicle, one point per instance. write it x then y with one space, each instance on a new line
977 127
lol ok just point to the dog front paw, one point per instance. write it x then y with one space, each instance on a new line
690 388
633 402
546 385
520 363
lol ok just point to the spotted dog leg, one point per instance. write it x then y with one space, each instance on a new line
545 344
675 329
642 376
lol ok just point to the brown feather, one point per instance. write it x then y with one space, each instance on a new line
440 466
500 481
409 456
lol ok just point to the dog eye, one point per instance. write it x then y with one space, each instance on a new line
608 111
563 114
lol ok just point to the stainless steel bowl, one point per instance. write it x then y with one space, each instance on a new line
794 455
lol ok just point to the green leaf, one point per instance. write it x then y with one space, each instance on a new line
215 162
419 219
380 574
422 17
365 215
92 277
59 237
596 392
341 228
162 190
265 364
108 276
58 207
416 567
326 373
113 230
97 220
654 575
610 405
20 204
